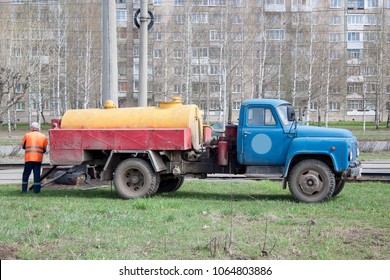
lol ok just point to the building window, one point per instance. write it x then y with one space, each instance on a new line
370 70
238 37
372 20
334 90
179 88
236 105
355 88
388 89
200 18
354 105
355 53
335 20
20 106
275 34
371 88
200 53
372 4
353 71
355 4
17 52
371 36
334 54
179 19
179 71
275 2
313 106
122 69
178 53
237 19
335 3
200 70
334 106
122 86
215 70
158 53
121 15
215 87
158 36
215 35
334 37
353 36
238 88
299 2
355 19
136 50
178 2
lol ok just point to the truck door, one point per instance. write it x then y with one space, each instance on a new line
263 137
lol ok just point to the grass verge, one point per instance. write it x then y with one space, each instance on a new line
203 220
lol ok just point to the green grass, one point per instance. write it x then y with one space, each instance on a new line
203 220
381 155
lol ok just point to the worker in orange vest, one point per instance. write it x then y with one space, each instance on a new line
34 143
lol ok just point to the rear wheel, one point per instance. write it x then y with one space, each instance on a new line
170 184
311 181
135 178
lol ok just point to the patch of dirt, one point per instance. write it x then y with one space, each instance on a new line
7 252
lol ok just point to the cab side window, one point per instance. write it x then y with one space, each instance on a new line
255 116
260 117
269 118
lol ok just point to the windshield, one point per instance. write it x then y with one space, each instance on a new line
283 113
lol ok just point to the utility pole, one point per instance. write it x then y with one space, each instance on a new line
143 58
110 55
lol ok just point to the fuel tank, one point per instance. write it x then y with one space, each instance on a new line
167 115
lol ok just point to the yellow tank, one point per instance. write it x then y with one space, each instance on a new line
168 115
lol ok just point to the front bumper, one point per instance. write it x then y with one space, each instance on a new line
354 171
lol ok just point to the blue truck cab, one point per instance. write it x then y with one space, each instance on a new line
314 162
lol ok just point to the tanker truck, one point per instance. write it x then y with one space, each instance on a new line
147 150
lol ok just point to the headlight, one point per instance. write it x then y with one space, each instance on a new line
350 155
357 152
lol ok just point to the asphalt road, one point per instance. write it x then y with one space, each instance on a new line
14 176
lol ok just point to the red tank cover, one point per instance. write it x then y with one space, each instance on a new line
223 152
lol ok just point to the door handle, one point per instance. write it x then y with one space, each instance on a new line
247 132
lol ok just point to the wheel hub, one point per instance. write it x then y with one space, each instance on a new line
310 183
134 179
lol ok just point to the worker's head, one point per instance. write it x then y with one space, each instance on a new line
109 104
34 126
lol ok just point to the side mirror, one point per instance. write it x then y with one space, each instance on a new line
290 113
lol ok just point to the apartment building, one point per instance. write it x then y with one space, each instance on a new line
331 58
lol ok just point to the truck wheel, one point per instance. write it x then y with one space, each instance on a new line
135 178
171 184
339 187
311 181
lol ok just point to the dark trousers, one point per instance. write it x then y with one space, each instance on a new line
36 168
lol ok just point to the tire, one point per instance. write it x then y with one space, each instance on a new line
170 184
311 181
339 187
135 178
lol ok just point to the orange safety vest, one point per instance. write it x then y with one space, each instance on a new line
35 144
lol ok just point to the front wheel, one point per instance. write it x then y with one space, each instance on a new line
311 181
339 187
135 178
